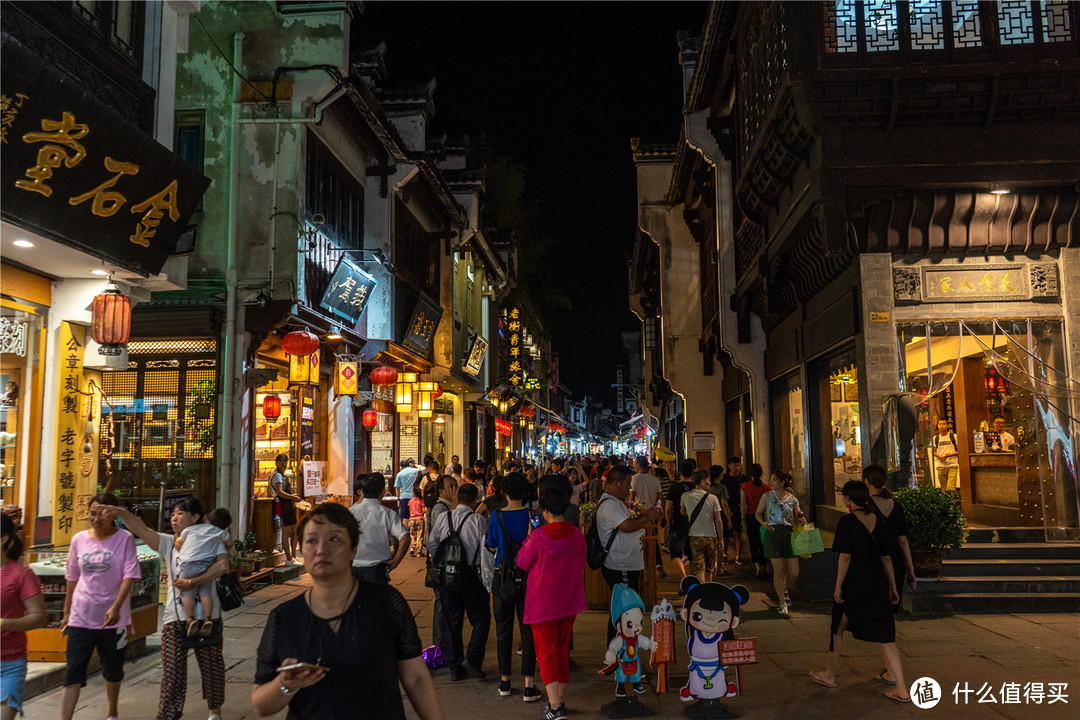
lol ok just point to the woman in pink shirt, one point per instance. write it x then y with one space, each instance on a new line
554 556
102 566
22 608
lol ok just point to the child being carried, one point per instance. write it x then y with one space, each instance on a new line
197 549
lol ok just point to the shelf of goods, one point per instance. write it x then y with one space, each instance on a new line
47 643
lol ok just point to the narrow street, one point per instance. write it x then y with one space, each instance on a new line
972 649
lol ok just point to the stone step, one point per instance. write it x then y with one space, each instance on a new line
919 603
1006 535
1010 566
990 584
1016 551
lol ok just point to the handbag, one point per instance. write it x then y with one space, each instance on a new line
806 542
196 643
229 591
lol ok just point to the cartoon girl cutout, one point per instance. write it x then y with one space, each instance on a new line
711 613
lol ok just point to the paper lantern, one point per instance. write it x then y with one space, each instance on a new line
271 406
403 395
304 369
425 392
300 342
110 323
383 376
346 375
438 391
371 419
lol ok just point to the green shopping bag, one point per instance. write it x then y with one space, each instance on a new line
806 542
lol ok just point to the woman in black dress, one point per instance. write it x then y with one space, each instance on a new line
344 650
865 589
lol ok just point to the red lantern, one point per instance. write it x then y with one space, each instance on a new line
383 376
371 419
272 406
300 343
110 320
438 391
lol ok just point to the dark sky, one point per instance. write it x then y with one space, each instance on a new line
561 88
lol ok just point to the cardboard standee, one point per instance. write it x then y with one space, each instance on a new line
711 613
663 643
623 655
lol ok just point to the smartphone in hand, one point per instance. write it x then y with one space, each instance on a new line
301 666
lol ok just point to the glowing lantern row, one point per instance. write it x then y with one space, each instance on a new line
421 393
503 426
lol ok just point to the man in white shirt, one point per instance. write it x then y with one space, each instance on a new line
471 599
1000 440
704 523
644 486
625 560
380 529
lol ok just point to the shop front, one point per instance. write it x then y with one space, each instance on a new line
984 349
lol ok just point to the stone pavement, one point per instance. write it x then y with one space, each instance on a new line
974 649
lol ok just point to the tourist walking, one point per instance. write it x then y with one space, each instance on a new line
705 519
343 649
865 590
750 494
903 568
778 511
506 532
22 608
554 556
174 663
381 530
102 567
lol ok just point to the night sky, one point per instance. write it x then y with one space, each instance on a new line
561 88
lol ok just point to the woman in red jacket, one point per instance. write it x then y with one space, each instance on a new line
554 556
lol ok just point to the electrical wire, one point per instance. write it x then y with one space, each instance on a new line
227 61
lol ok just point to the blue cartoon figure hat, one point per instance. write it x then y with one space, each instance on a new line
623 599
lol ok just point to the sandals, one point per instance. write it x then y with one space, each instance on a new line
891 694
816 677
880 677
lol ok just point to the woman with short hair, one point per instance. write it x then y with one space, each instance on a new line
341 649
102 567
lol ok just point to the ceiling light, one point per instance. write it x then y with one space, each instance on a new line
99 272
23 243
998 190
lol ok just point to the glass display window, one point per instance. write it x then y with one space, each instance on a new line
158 430
789 434
21 343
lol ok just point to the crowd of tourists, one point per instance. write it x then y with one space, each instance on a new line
503 545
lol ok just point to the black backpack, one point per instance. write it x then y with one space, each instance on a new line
430 495
509 580
595 551
447 566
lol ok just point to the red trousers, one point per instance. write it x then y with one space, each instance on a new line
552 641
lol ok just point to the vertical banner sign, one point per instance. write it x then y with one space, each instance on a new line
950 407
70 427
307 424
515 370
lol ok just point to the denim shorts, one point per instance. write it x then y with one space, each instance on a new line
13 683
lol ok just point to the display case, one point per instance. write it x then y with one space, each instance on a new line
47 643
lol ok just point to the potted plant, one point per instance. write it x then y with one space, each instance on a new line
245 548
935 524
259 557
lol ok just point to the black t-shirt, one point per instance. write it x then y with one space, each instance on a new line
679 522
733 483
376 632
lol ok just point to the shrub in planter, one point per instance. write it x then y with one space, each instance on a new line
935 524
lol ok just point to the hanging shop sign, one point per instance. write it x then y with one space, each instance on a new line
422 326
991 282
349 290
77 171
70 484
515 369
475 360
307 423
346 375
13 334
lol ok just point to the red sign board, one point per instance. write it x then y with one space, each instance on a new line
741 651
